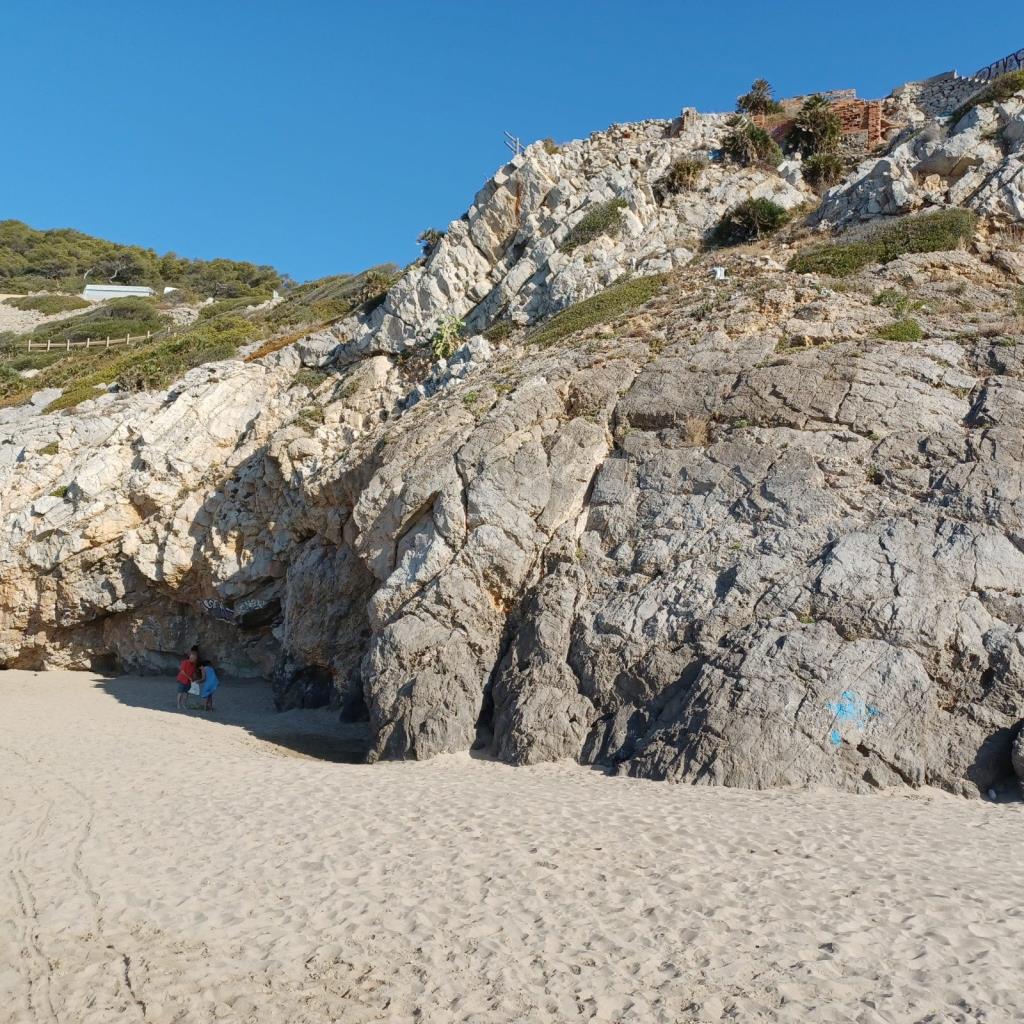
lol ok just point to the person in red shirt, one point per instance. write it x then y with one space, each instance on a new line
188 670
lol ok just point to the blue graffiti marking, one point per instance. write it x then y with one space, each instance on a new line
850 711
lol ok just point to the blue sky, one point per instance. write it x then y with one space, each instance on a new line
322 137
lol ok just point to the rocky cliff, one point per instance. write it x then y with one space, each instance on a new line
717 531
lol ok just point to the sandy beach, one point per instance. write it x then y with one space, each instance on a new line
162 866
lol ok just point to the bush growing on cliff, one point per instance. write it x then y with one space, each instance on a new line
823 170
603 219
682 175
230 306
751 219
448 337
48 305
926 232
612 302
902 330
759 100
817 129
749 145
999 89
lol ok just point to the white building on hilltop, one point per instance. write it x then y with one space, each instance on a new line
98 292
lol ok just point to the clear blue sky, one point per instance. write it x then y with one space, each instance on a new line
322 136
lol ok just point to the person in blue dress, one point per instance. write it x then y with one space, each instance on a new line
208 683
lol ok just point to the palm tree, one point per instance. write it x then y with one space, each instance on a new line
759 100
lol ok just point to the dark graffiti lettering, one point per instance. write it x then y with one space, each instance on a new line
217 610
1015 62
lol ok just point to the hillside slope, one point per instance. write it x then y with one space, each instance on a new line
759 531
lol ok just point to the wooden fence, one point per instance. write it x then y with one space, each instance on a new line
66 344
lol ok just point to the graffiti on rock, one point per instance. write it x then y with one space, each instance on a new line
219 611
1015 62
849 714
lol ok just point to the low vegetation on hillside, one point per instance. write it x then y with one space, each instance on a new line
749 145
682 176
222 328
612 302
927 232
603 219
64 260
750 220
48 305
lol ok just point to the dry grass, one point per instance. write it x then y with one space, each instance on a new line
276 344
696 430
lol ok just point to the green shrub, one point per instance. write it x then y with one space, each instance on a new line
116 319
823 170
312 416
499 331
603 219
1019 301
51 449
817 129
998 90
447 338
612 302
902 330
550 146
59 492
310 377
894 299
751 219
48 305
213 309
331 298
749 145
759 100
683 175
926 232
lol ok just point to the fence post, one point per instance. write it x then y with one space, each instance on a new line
87 341
48 340
69 342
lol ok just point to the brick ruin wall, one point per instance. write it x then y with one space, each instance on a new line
868 124
863 121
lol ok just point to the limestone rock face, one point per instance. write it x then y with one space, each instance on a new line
729 537
503 258
977 162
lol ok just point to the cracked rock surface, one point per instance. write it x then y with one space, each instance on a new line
728 537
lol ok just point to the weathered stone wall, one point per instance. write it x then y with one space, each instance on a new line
932 97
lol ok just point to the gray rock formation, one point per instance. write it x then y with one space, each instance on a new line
729 537
977 162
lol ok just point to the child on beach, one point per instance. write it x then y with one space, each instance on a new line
188 670
209 682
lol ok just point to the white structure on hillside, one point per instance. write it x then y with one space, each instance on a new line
98 292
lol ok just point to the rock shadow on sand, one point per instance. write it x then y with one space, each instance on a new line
247 704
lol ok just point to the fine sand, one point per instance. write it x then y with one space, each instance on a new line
163 866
